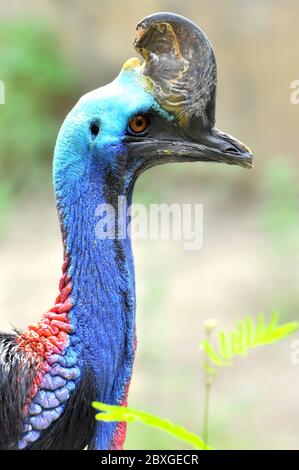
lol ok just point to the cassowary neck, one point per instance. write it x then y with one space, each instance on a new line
101 272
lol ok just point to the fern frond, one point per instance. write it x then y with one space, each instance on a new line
247 335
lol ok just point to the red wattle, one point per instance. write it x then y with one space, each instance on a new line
50 335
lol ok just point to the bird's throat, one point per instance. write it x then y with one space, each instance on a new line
102 317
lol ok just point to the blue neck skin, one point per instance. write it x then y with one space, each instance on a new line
103 294
90 170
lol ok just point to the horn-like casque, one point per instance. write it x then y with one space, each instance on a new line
181 64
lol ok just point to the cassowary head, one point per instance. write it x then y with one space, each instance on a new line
158 112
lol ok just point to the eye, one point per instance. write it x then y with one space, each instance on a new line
138 124
94 129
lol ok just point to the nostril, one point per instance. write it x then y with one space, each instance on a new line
94 129
232 150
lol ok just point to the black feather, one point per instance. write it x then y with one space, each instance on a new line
16 378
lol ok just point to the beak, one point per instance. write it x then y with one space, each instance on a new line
220 147
213 147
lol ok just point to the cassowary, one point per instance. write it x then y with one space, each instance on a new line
83 348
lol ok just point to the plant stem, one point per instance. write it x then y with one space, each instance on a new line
207 392
206 412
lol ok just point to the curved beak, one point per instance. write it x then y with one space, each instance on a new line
171 147
220 147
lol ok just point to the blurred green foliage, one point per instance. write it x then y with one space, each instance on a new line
38 86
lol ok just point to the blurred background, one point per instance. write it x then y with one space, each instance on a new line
53 52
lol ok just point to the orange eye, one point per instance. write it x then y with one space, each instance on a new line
138 124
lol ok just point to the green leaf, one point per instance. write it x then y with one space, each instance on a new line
210 351
260 328
249 327
233 339
270 328
223 344
248 334
283 331
241 345
129 415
